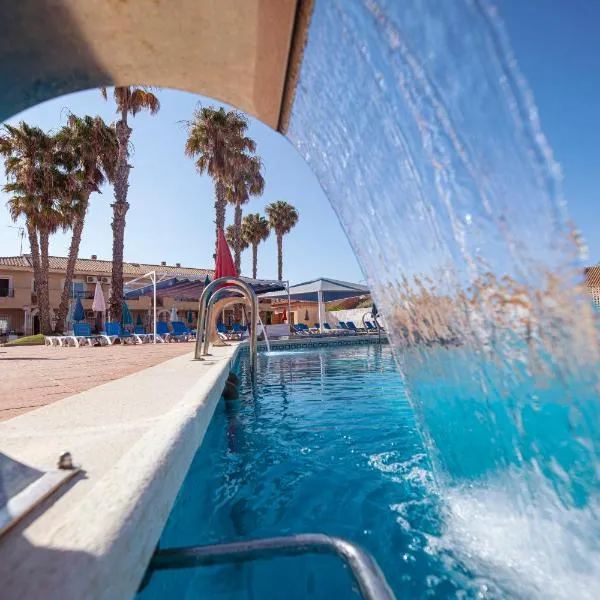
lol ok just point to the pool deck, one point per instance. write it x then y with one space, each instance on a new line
134 438
34 376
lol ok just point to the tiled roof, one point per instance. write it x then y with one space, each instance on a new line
103 267
14 261
592 276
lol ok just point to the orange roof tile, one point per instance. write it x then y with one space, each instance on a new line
103 267
14 261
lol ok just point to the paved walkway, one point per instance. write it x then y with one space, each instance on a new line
34 376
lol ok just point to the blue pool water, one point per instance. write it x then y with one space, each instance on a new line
326 443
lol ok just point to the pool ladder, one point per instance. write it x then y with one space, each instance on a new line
213 292
365 571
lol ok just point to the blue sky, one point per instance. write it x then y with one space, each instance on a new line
557 46
171 215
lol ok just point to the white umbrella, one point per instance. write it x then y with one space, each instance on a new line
173 314
99 305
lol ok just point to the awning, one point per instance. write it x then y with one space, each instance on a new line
328 289
186 289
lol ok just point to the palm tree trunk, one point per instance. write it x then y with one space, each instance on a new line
78 223
280 256
43 292
34 246
254 259
237 224
120 208
220 206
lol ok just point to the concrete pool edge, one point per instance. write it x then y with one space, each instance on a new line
96 538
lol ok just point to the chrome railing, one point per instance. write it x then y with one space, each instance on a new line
365 571
205 312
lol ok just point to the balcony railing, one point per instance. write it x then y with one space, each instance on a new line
83 294
7 293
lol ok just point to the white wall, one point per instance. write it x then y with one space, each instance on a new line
355 315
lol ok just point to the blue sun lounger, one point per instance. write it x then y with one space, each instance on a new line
180 331
82 334
114 332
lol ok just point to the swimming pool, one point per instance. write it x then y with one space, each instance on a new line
326 442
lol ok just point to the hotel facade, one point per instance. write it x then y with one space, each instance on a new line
18 299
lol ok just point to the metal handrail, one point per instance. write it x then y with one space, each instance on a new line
207 298
218 294
366 572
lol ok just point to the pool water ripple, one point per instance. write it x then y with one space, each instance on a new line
325 442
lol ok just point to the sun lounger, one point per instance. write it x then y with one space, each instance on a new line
113 332
180 331
226 334
140 332
56 340
162 332
82 334
239 330
352 327
300 329
371 328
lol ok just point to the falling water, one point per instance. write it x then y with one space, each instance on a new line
426 139
264 330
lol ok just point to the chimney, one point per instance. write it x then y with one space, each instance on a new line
163 263
177 264
94 257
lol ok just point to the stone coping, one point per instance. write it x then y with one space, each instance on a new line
134 438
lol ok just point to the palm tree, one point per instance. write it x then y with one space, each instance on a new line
217 139
255 229
129 101
230 237
41 192
94 149
282 218
247 181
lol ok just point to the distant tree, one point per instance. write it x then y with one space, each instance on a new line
217 139
230 237
42 192
255 229
93 147
130 101
245 182
282 219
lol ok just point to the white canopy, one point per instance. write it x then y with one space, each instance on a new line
320 290
329 289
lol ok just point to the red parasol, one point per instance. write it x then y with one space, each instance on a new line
224 266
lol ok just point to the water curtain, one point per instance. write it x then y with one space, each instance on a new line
423 133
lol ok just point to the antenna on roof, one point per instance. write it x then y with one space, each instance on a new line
21 234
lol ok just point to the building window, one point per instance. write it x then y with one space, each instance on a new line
4 322
78 289
4 287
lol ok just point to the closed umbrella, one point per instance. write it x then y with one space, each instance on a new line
78 312
173 314
224 266
284 316
139 321
206 280
190 317
127 318
98 305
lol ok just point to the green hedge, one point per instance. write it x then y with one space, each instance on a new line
30 340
